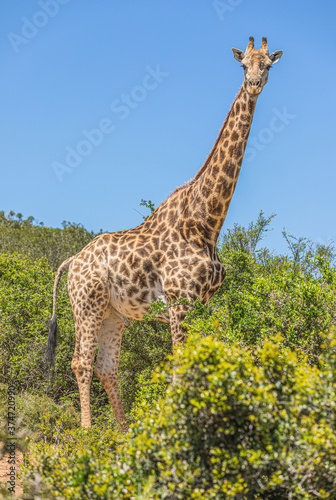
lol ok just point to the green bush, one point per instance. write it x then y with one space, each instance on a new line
26 305
236 428
78 467
40 415
144 346
254 304
235 425
27 237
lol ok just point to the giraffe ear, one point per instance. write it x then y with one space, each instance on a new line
275 56
238 54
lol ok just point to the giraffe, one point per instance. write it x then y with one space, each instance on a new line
171 255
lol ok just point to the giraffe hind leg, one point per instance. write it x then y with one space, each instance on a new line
106 368
83 360
89 305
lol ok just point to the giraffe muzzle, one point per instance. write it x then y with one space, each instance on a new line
254 87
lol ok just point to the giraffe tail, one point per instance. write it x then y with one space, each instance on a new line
52 336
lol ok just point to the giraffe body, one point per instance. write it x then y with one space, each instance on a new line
171 255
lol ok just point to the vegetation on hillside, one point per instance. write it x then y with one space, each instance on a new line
27 237
252 414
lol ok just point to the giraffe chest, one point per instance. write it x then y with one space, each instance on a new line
133 284
208 275
197 273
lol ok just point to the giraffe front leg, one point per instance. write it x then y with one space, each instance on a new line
177 315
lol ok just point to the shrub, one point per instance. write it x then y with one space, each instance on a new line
233 429
78 467
27 237
26 304
235 425
253 305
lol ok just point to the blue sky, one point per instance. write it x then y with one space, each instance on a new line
158 78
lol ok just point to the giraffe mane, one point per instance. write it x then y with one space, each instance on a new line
190 182
207 161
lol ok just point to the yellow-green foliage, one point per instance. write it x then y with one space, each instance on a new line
235 425
232 428
26 303
78 467
27 237
44 418
254 303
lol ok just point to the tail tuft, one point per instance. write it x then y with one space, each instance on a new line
51 345
52 337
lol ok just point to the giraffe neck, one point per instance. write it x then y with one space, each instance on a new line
212 188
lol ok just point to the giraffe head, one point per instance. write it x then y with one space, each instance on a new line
256 64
